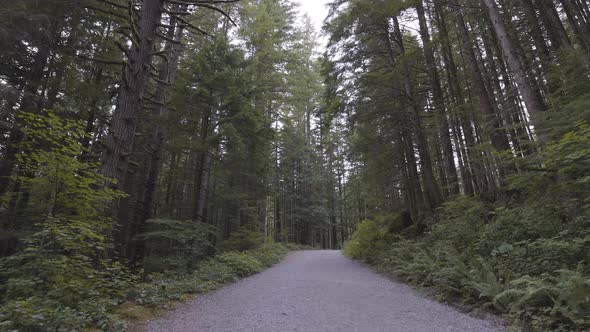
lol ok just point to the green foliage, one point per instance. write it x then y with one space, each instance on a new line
68 293
241 263
535 257
269 254
175 245
517 260
528 222
207 275
570 156
63 184
569 100
59 280
368 239
396 223
558 301
462 218
243 239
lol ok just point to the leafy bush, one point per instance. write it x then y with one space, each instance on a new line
269 254
528 222
175 245
241 263
558 302
362 240
396 223
536 257
59 280
209 274
461 221
517 260
368 240
243 239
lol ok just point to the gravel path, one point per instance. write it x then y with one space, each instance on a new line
315 291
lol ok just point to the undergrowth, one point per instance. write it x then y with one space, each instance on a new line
541 281
92 307
208 275
526 257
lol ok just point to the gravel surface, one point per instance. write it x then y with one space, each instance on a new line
317 291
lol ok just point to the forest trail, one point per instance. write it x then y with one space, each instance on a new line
317 291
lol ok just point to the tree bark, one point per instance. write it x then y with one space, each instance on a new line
532 98
492 123
438 99
576 22
530 14
30 102
463 135
204 169
555 30
119 145
167 73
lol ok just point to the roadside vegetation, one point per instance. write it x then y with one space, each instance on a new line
475 150
156 148
64 294
526 256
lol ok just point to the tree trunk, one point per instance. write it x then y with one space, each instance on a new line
492 123
462 139
431 189
576 22
29 103
119 146
584 9
438 99
555 30
154 149
204 170
532 98
167 73
537 34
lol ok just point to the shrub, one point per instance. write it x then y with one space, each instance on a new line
243 239
241 263
559 302
175 245
535 257
461 221
396 223
510 225
160 288
367 241
59 280
518 260
269 254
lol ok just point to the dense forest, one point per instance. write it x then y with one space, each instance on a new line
446 142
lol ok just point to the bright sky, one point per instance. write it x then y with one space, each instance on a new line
316 9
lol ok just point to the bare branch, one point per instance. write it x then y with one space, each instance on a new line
153 101
192 26
112 4
103 61
167 38
219 10
122 48
108 12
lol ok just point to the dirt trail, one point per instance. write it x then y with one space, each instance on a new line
315 291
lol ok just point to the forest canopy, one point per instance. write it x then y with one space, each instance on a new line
447 142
